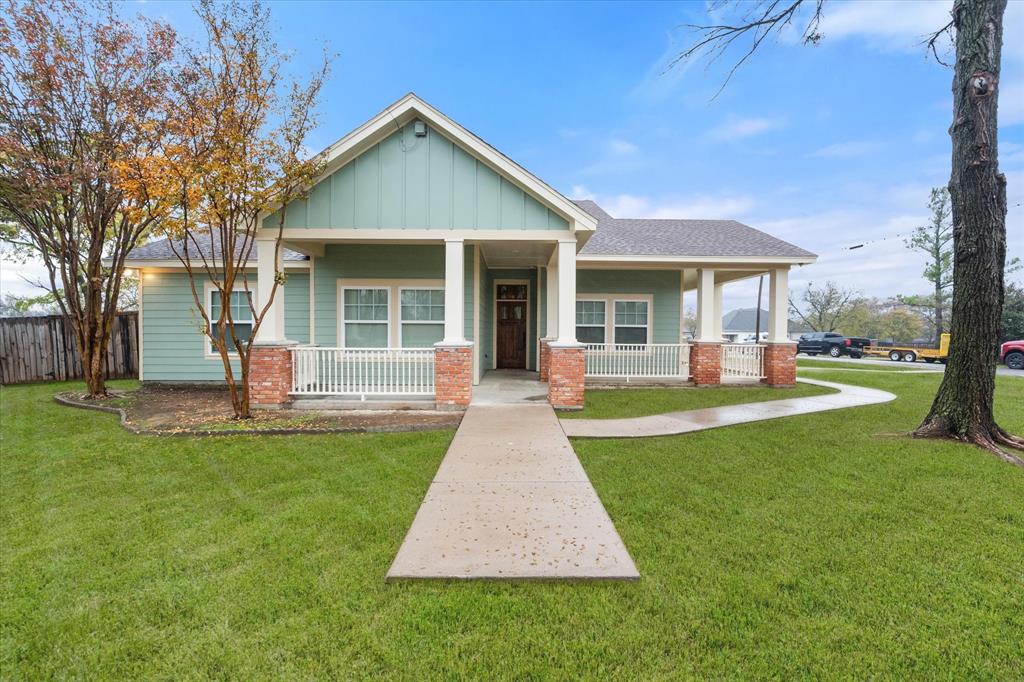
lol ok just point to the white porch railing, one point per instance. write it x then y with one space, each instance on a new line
629 361
742 361
363 371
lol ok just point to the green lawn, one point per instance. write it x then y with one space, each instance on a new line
826 545
638 402
871 365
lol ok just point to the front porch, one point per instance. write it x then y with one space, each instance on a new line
528 305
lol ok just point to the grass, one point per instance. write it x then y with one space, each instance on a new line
820 546
867 365
639 402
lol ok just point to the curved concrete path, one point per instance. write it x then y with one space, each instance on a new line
673 423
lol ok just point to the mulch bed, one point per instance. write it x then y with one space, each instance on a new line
206 411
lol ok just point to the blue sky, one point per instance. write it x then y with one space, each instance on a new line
824 146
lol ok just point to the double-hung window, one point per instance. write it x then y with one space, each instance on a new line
365 314
422 317
631 322
241 317
590 321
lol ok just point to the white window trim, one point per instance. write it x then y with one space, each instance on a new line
402 323
208 288
609 318
604 326
394 312
646 327
341 312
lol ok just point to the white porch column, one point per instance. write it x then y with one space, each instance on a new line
267 268
567 291
718 311
778 305
454 292
706 306
552 297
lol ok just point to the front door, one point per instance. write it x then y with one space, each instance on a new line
511 349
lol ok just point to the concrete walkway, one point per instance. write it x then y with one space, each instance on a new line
673 423
511 501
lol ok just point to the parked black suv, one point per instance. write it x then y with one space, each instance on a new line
831 343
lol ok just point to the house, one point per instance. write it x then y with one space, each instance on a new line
739 325
423 258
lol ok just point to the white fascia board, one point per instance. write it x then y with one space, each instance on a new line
409 107
582 259
298 235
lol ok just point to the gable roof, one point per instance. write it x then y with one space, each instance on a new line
411 107
744 319
160 250
674 238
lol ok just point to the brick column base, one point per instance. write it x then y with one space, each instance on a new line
544 359
566 367
270 376
706 363
780 364
453 376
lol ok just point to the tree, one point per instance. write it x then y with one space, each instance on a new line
824 307
234 153
962 409
935 240
26 306
1013 313
80 94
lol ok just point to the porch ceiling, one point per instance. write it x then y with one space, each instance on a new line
509 254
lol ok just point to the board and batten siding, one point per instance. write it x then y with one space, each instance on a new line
173 345
662 285
384 262
409 182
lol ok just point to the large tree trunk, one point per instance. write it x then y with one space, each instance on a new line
963 405
938 312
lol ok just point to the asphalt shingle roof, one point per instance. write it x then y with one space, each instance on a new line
743 320
660 237
161 250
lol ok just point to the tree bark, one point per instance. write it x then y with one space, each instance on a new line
962 408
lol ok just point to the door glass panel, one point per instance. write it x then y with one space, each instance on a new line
512 292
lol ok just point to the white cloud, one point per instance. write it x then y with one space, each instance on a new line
845 150
579 192
891 24
618 147
695 206
735 127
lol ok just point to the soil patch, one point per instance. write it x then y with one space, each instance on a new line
206 410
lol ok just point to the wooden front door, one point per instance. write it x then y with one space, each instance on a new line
511 335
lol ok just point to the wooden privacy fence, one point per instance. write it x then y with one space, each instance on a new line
44 349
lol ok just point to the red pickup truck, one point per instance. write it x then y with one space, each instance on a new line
1012 354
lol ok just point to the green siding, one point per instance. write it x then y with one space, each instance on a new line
172 343
379 261
662 284
409 182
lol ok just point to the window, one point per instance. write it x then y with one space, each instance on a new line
241 317
422 317
511 292
365 314
590 321
630 322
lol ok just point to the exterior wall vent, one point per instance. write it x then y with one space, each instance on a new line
419 128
